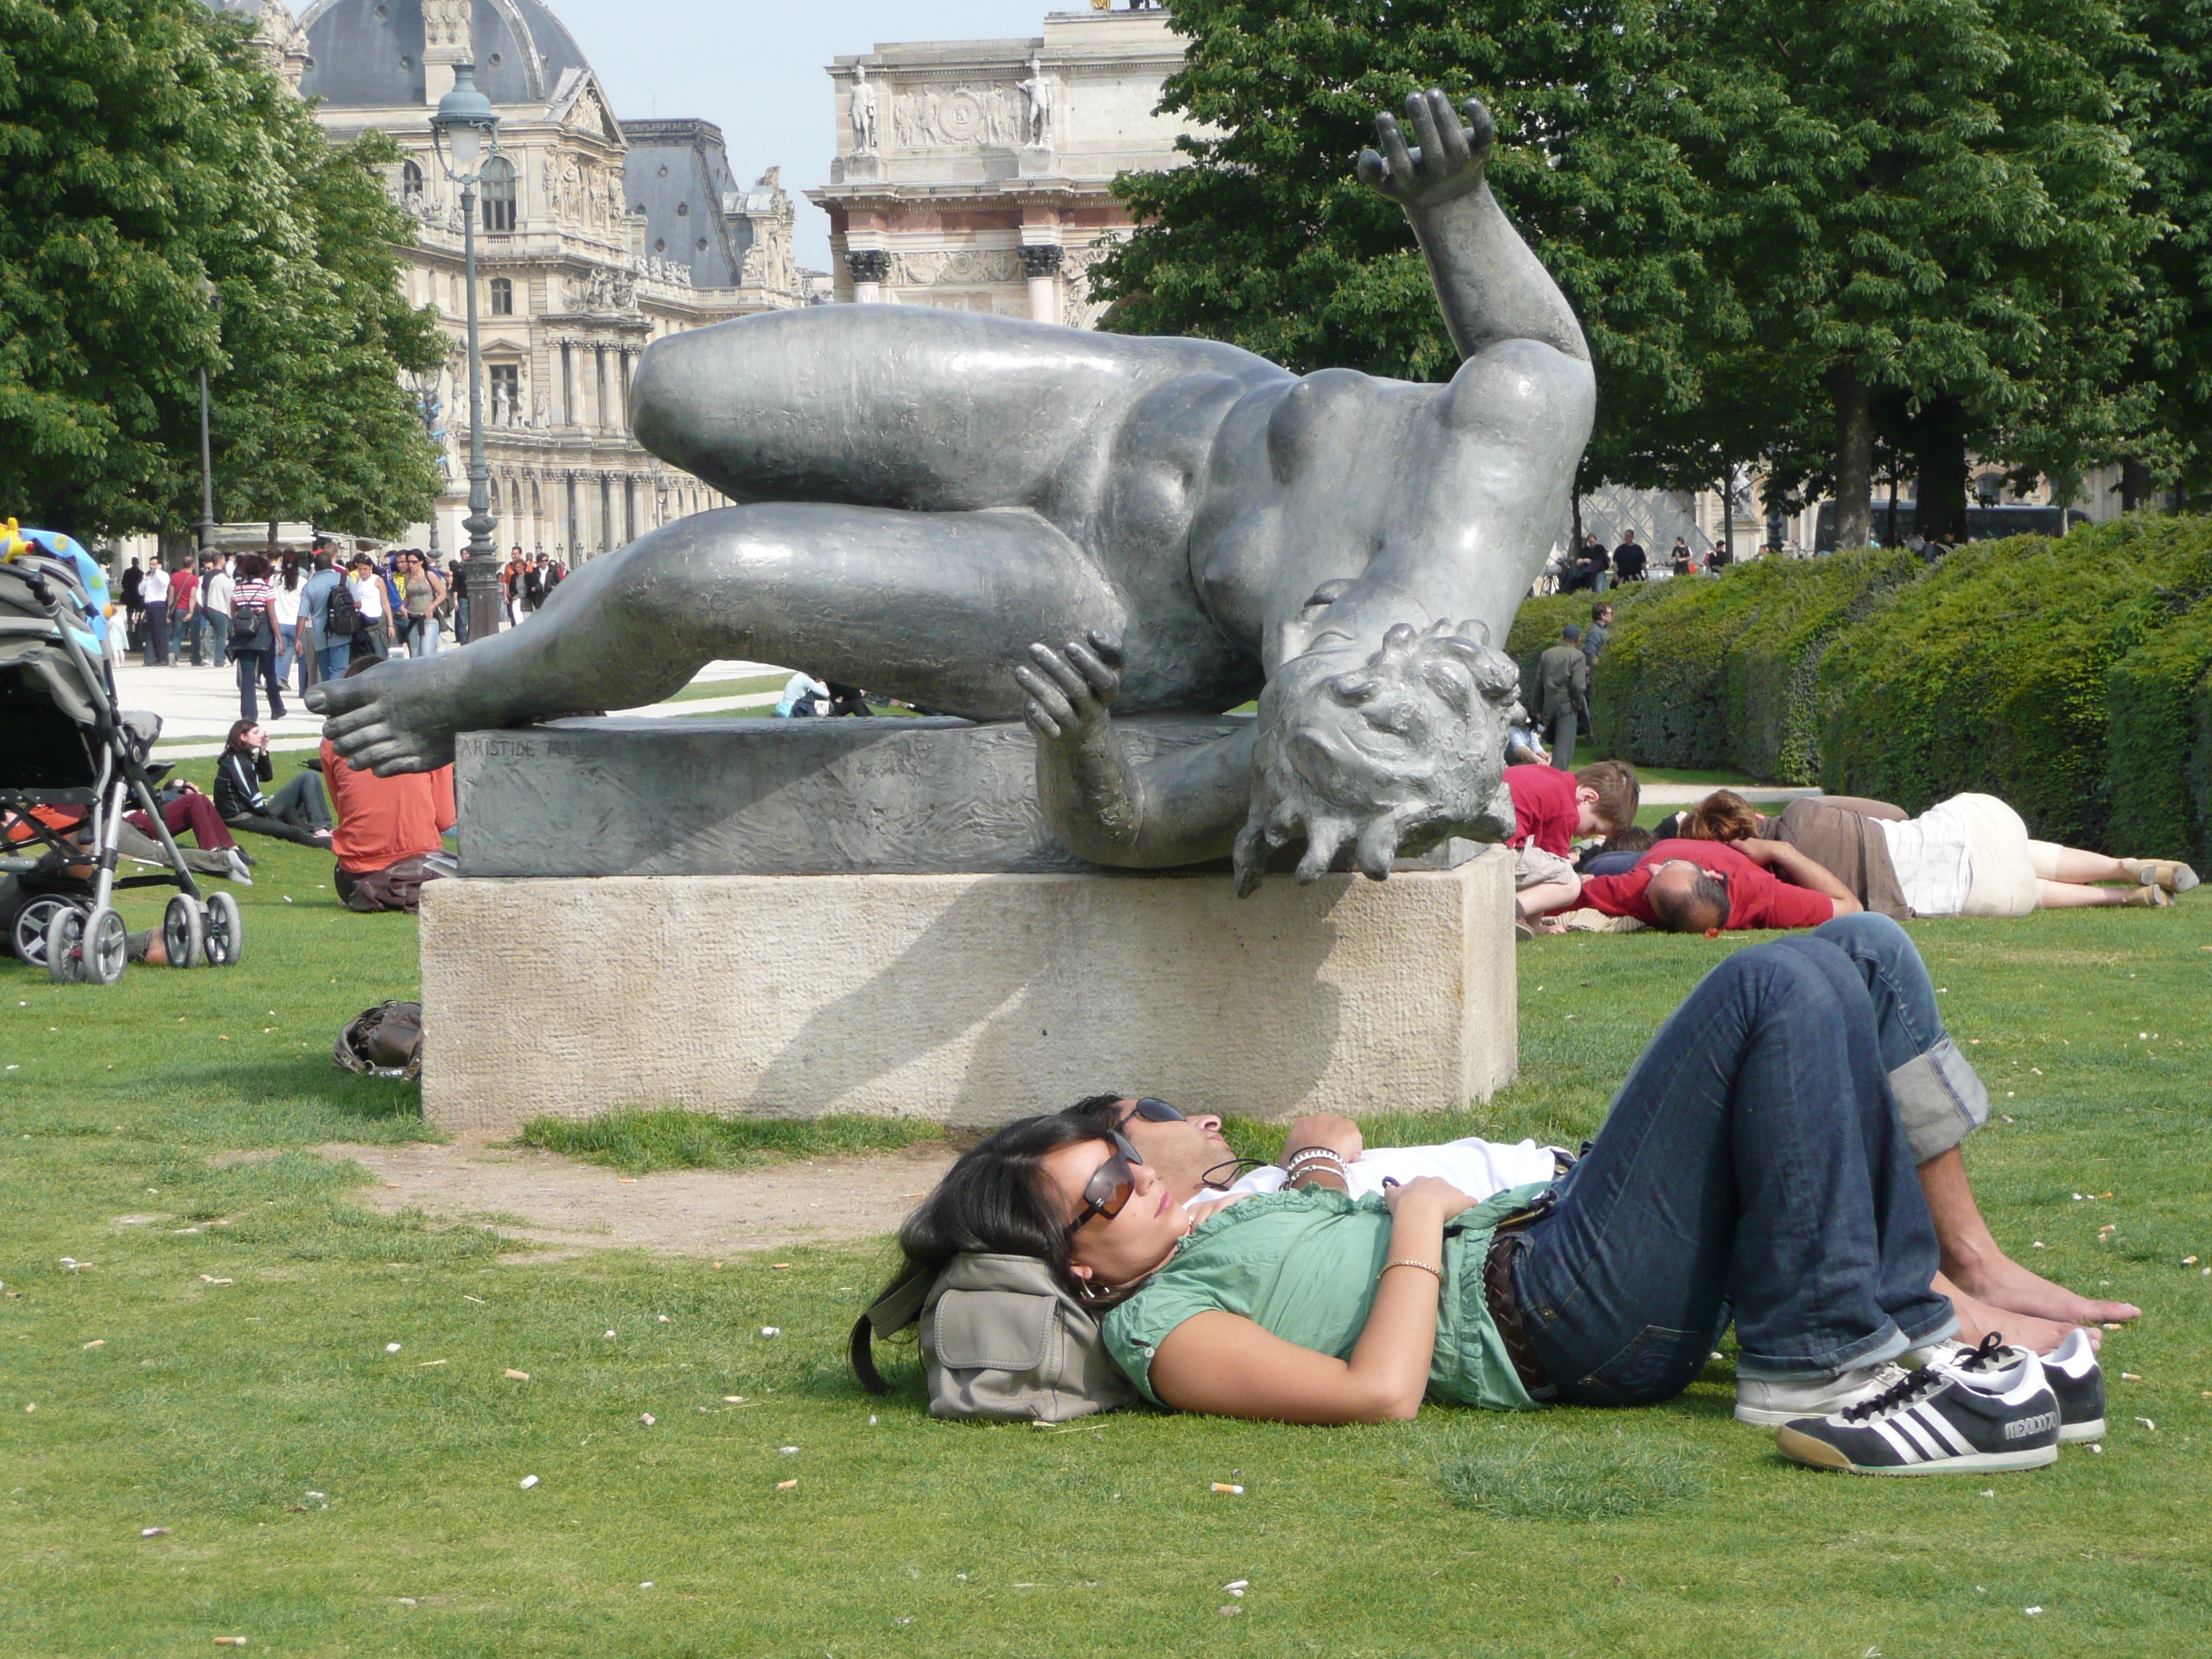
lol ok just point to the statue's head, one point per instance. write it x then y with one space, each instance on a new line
1393 753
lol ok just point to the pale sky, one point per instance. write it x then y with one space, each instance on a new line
756 70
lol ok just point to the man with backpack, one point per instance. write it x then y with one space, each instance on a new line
326 606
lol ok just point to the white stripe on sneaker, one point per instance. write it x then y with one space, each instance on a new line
1905 1450
1927 1413
1908 1423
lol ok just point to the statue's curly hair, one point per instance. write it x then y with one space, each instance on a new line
1307 782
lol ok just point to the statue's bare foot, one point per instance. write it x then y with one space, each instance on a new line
400 716
2003 1283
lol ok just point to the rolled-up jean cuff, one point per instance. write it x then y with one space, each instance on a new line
1885 1345
1941 1099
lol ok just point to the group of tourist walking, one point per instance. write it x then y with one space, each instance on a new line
294 619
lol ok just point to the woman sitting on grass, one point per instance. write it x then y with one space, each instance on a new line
1752 1163
1968 856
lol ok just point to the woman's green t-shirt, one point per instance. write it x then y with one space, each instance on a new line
1304 1265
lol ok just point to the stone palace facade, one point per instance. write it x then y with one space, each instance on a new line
595 236
976 174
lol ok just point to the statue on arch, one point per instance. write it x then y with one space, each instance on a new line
863 111
1011 521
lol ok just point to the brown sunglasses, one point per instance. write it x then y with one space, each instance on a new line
1111 1185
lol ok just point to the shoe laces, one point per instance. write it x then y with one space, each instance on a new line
1917 1385
1909 1389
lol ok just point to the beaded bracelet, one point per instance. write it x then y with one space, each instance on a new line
1410 1262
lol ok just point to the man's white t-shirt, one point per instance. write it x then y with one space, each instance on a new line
155 589
1480 1169
215 592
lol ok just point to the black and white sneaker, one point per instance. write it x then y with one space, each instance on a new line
1986 1409
2071 1371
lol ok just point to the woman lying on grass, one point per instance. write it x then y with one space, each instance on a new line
1753 1158
1967 856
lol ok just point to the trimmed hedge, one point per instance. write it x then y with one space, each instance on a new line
1536 628
2071 677
1991 671
1721 671
2158 738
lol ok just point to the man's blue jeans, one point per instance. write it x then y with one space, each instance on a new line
331 660
1755 1157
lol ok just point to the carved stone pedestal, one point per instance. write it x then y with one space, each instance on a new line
792 917
968 999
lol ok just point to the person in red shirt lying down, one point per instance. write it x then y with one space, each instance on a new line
1702 887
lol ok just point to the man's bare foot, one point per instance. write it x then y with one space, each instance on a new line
401 715
1977 1319
2003 1283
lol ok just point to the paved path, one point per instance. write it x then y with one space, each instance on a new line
1689 795
202 703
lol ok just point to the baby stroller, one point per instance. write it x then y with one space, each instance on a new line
72 767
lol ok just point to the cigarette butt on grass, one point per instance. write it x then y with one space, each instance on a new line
518 1376
1223 1486
230 1641
426 1364
152 1532
97 1342
786 1486
2129 1376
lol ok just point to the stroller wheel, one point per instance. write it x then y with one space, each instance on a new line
64 952
182 932
29 935
225 941
106 947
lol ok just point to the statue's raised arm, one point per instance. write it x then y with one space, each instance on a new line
1009 520
1492 288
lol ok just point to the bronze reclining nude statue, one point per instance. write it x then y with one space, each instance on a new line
927 496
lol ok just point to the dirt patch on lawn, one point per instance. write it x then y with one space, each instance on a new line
705 1212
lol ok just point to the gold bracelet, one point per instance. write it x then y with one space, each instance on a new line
1410 1262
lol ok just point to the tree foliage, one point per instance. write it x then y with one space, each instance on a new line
144 150
1931 202
2168 95
1750 203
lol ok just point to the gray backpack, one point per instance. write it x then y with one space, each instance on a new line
1000 1339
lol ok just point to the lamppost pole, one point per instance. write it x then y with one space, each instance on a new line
207 465
466 120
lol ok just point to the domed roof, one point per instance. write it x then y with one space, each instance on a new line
369 53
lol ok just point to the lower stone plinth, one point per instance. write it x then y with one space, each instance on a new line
968 999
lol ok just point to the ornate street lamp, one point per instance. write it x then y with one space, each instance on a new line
213 296
465 134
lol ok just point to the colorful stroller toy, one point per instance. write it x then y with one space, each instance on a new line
70 766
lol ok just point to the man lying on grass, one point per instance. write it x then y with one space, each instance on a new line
1754 1166
1700 887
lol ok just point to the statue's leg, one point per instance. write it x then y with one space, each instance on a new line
904 406
934 607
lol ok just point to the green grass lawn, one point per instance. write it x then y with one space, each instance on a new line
218 1365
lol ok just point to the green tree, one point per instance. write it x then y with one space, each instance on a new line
1266 239
1928 203
2169 99
145 150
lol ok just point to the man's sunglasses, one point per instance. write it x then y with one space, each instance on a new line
1154 1111
1111 1185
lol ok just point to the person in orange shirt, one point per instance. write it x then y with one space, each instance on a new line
388 828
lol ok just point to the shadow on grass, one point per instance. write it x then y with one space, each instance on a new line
309 1078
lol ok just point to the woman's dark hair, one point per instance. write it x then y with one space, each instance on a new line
1630 840
1721 816
291 572
995 1200
253 567
238 729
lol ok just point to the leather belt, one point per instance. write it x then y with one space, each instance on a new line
1505 1314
